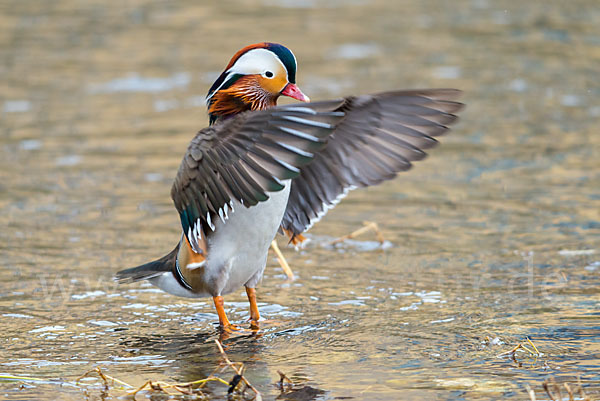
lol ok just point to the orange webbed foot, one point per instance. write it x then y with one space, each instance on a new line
254 324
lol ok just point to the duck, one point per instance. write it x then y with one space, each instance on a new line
260 169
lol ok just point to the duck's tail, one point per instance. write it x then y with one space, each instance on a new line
148 270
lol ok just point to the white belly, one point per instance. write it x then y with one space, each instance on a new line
237 249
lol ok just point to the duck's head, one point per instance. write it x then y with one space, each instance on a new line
253 80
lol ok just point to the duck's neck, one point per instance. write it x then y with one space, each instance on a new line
245 96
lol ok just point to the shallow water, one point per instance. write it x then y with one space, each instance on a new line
494 238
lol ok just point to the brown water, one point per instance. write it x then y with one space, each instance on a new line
494 238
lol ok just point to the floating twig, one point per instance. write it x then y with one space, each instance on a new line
533 345
23 378
105 378
512 351
534 352
368 226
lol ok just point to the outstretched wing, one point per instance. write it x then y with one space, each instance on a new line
379 136
244 158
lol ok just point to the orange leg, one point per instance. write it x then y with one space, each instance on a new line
223 321
254 315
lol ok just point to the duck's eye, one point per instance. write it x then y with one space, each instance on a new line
269 74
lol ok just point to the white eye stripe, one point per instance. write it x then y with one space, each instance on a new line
257 61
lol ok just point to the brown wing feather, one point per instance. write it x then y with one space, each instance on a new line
380 135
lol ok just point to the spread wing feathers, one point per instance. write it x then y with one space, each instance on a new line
380 136
244 158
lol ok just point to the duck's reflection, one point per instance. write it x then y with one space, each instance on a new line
194 357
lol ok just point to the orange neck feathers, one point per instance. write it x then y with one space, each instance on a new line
246 94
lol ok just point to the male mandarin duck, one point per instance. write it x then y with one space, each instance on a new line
260 168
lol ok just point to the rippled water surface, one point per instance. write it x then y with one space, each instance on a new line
494 239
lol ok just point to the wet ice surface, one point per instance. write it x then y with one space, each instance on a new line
492 239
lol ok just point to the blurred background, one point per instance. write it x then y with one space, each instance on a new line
493 239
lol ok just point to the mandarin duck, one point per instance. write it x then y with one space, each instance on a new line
259 169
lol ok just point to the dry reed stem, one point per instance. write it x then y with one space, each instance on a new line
581 392
530 392
557 388
282 378
569 391
239 371
552 389
282 261
547 389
